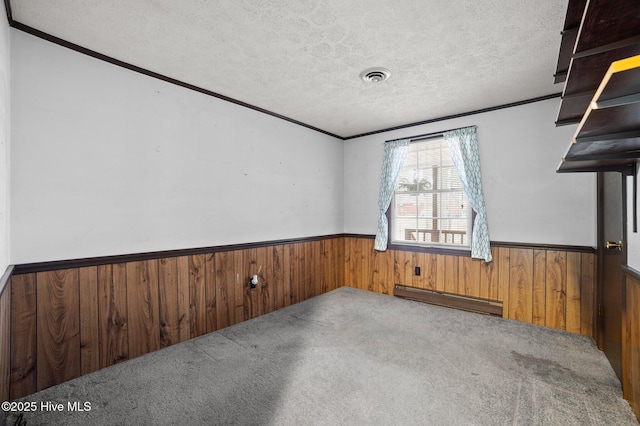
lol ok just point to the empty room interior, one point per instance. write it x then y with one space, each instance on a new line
319 212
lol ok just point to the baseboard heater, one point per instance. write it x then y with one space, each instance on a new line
466 303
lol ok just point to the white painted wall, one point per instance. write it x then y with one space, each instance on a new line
633 238
5 132
107 161
520 149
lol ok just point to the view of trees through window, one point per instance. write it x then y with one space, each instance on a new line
430 206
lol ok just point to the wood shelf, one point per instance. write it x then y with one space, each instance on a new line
584 76
606 25
570 30
623 166
607 31
602 84
609 133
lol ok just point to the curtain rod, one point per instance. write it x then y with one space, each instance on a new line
432 135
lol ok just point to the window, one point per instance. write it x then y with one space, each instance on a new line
429 206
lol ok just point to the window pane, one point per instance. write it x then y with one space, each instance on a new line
406 205
455 232
449 178
405 215
407 179
426 204
430 205
452 204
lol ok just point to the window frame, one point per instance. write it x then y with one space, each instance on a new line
437 248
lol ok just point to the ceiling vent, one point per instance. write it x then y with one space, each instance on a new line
375 75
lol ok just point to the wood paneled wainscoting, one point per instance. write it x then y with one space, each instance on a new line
59 321
544 285
5 336
631 339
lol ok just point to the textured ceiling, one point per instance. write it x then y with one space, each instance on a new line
301 59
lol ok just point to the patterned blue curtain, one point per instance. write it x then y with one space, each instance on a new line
463 145
394 153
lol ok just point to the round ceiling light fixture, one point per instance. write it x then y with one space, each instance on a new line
375 75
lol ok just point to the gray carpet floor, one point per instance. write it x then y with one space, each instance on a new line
351 357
